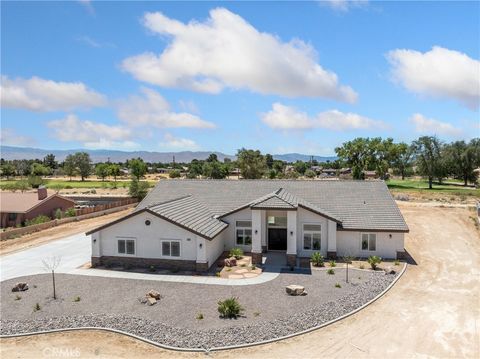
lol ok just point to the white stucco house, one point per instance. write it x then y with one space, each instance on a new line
189 224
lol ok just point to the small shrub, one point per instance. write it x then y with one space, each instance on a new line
243 265
230 308
254 267
68 186
76 299
317 259
34 286
93 191
218 274
397 262
199 316
17 297
70 212
374 261
236 252
333 264
152 269
229 269
337 285
36 307
362 266
330 271
37 220
256 314
58 213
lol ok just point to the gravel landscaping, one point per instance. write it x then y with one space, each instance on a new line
114 303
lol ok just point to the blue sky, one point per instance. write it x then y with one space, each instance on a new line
279 77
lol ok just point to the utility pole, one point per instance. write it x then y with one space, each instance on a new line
173 161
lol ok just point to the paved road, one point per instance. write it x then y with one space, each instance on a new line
74 252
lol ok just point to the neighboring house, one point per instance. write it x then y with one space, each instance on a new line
17 207
331 172
188 224
370 174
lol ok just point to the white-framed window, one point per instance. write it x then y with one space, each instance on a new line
369 241
171 248
126 246
243 232
312 237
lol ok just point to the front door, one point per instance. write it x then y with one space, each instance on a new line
277 239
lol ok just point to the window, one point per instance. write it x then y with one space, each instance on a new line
126 246
171 248
312 237
244 233
12 216
274 221
369 242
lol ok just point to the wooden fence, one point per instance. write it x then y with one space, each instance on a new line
104 207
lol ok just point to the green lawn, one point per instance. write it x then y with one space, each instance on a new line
66 184
422 186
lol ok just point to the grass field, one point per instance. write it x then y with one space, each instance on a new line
453 187
66 184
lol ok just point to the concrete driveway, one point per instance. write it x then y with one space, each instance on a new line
74 251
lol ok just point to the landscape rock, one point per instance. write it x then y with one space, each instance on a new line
294 289
390 270
20 287
142 300
151 301
230 262
154 294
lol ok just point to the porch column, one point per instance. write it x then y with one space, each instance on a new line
332 239
257 236
292 238
201 262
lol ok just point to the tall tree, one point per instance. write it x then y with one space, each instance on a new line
40 170
463 159
8 170
427 154
300 167
402 160
49 161
83 164
356 154
70 166
138 168
114 170
102 170
251 163
215 170
212 157
269 160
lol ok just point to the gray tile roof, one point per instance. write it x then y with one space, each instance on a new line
355 205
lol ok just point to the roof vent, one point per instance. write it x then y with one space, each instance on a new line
364 202
42 193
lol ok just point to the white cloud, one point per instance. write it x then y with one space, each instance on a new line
37 94
176 143
429 126
94 43
225 51
10 137
107 144
153 110
344 5
439 72
87 4
71 128
283 117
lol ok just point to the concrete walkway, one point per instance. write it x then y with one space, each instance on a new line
75 251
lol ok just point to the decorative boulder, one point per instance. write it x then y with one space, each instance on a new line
154 294
20 287
390 270
230 262
295 289
151 301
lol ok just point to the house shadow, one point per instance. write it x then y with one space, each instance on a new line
409 259
276 262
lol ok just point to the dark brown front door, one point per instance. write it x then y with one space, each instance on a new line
277 239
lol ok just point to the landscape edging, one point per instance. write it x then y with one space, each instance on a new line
231 347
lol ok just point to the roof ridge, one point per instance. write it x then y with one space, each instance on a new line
168 201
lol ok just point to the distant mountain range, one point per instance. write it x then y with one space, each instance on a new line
19 153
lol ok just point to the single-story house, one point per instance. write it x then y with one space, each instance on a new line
189 224
18 207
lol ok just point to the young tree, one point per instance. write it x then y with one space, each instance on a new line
102 170
138 168
174 174
69 166
427 153
83 163
51 264
138 189
114 171
251 163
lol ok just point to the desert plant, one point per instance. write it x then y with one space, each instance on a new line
337 285
243 265
256 314
230 308
254 267
70 212
361 266
317 259
374 261
152 269
218 274
333 264
37 220
36 307
236 252
229 269
397 262
76 299
17 297
58 214
331 271
199 316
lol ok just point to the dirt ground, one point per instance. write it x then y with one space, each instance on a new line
64 230
433 311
